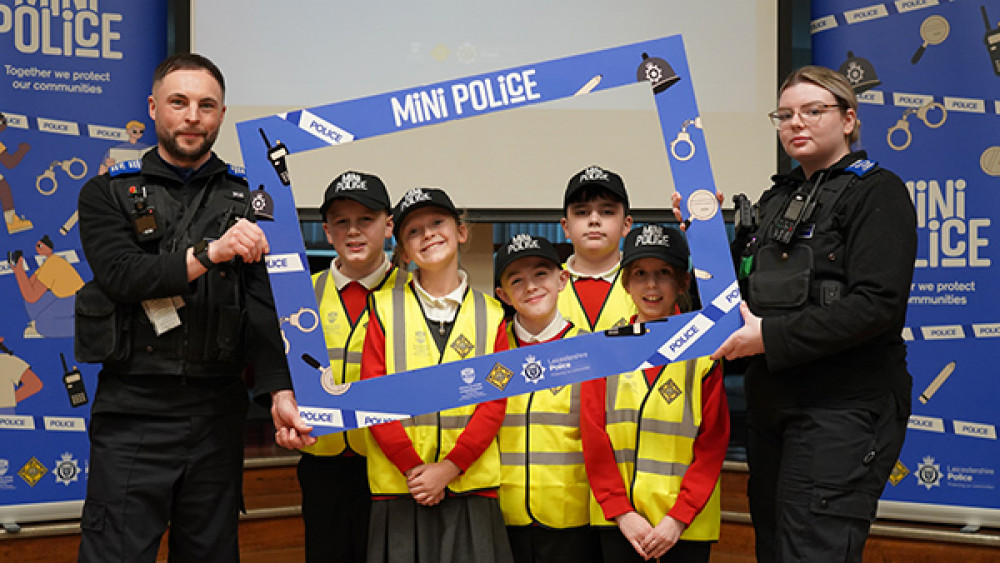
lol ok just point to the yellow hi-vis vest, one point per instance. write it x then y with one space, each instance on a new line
618 307
543 478
409 345
652 430
344 342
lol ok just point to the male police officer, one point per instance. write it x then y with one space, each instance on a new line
180 304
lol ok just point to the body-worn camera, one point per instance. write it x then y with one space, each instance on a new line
745 219
144 219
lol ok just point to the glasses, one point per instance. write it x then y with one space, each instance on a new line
810 114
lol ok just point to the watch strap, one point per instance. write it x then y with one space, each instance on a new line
201 254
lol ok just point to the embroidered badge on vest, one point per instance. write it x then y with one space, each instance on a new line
499 376
899 472
670 391
462 346
532 370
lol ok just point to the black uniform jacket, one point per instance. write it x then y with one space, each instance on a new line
846 350
228 318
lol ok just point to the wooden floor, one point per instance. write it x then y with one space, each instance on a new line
272 532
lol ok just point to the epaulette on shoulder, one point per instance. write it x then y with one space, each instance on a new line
862 167
236 171
126 167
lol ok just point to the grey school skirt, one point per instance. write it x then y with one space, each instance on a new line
458 529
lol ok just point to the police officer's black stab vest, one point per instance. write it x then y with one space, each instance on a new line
811 269
212 339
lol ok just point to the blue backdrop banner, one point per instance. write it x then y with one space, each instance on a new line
927 74
75 77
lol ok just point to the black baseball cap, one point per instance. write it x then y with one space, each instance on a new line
417 198
366 189
657 241
522 246
596 176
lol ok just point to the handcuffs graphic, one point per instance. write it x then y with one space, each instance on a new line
296 320
904 125
684 139
50 174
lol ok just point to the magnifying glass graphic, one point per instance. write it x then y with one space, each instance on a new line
934 30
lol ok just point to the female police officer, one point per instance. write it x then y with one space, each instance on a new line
825 272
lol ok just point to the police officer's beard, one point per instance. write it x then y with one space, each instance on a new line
170 146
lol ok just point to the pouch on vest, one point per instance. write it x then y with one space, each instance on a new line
101 327
782 277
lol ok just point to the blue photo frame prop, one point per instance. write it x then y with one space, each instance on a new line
663 64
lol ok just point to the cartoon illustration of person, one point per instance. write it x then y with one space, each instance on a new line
132 150
17 381
15 223
49 294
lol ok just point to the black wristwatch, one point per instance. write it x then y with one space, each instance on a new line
201 253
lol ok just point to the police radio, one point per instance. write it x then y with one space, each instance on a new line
992 41
73 380
276 155
144 220
745 218
798 210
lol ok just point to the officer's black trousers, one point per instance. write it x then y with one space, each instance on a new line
815 478
146 472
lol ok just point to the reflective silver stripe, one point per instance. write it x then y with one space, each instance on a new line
422 420
556 419
569 419
399 330
338 354
454 422
625 455
480 310
621 415
320 286
660 467
542 458
684 429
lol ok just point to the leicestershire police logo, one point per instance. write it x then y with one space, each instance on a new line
350 182
594 174
899 472
66 470
929 473
670 391
462 345
532 370
32 471
499 376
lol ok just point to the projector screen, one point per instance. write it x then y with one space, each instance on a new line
283 56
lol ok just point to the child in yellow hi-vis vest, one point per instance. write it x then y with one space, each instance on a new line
544 492
434 477
595 219
654 440
332 471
